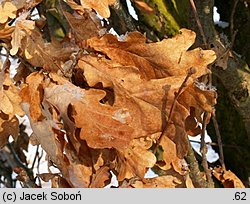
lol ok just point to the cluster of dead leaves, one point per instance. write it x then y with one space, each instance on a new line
99 105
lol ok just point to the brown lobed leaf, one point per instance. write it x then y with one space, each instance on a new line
100 178
158 182
10 105
7 10
28 39
100 6
149 101
168 57
6 31
135 159
83 26
227 178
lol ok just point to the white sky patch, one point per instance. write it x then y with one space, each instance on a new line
150 174
212 156
216 15
131 10
217 21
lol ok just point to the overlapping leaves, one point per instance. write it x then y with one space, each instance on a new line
118 103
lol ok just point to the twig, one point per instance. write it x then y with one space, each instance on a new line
191 71
24 178
217 131
216 144
19 162
195 174
232 32
198 22
36 155
203 150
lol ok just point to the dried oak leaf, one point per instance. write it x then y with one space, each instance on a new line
169 156
8 126
100 6
101 177
168 57
148 100
227 178
7 10
143 6
35 50
52 141
10 104
135 159
102 126
6 31
32 93
168 181
83 26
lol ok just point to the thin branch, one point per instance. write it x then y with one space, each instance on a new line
203 150
198 22
217 131
35 158
191 71
216 144
17 159
232 32
195 174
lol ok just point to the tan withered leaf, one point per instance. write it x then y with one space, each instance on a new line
227 178
8 126
32 93
52 141
143 6
101 6
6 31
158 182
100 178
168 57
7 10
102 126
149 101
83 26
169 156
135 159
10 105
28 39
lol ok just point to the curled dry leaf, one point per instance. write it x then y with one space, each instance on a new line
227 178
128 165
168 57
51 140
7 10
32 94
83 26
143 6
158 182
149 101
100 177
102 126
10 105
6 31
100 6
169 156
35 50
